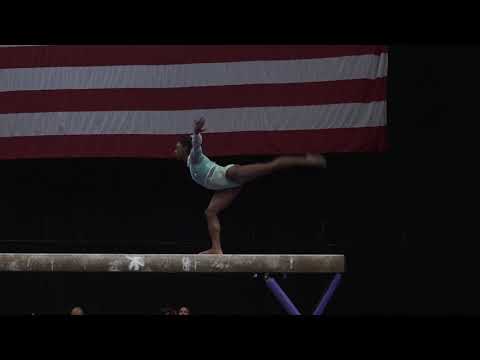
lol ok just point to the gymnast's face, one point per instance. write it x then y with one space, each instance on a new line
180 153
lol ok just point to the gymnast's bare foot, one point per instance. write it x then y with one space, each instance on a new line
316 160
212 251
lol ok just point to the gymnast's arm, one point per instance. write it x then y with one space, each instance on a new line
198 128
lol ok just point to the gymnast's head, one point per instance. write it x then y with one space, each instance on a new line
183 147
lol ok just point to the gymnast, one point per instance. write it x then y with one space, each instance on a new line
227 181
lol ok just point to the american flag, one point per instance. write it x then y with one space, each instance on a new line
134 101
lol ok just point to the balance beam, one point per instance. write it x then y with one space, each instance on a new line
175 263
172 263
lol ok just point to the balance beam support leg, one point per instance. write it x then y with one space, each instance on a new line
281 296
328 295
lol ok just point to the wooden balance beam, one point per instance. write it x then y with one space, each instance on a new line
172 263
175 263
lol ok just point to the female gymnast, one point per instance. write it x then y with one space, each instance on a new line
227 181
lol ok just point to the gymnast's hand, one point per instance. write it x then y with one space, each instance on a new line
198 126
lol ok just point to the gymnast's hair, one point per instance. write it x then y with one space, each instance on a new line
186 141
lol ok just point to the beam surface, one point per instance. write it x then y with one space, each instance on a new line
172 263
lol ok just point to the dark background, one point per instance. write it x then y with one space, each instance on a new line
391 214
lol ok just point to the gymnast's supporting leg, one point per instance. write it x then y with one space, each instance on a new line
220 201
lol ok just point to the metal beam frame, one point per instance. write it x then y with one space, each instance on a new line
289 306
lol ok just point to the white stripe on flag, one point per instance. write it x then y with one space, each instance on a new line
180 122
7 46
195 75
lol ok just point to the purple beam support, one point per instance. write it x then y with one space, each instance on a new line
328 295
281 297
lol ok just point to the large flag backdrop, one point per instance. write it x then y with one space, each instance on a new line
135 101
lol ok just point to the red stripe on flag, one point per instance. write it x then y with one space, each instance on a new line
233 96
101 55
372 139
